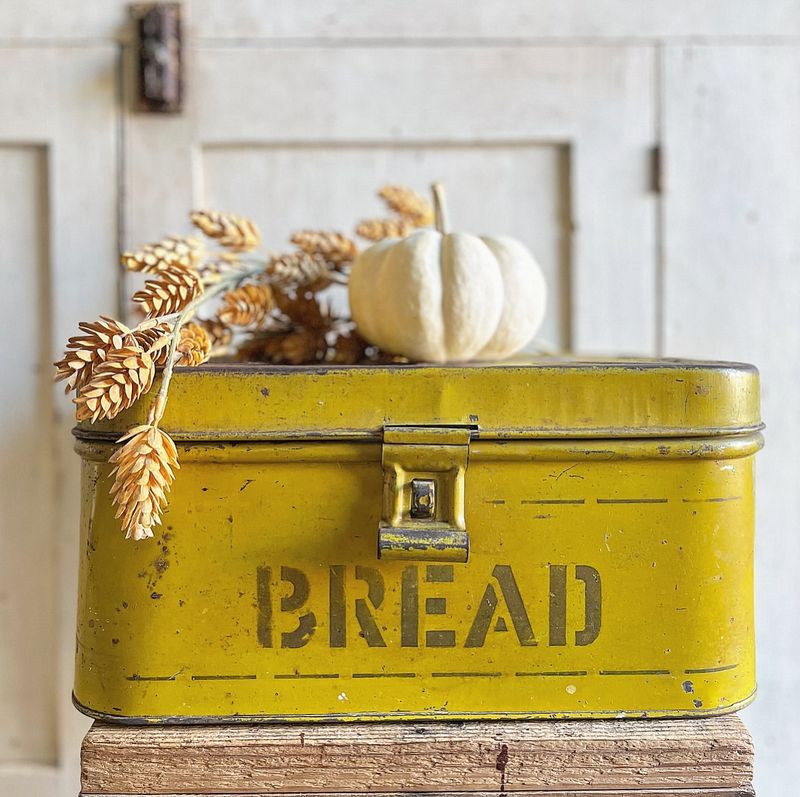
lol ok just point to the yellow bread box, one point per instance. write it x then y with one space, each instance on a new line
527 539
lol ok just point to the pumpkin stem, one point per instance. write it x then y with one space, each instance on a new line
440 209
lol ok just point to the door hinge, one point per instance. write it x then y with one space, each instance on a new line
159 57
657 169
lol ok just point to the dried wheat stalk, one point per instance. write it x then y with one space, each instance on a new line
247 306
232 231
144 468
84 352
151 258
173 289
300 269
216 270
194 346
219 333
304 309
408 204
116 384
378 229
295 348
332 246
154 336
289 347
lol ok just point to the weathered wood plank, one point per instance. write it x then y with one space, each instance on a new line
743 792
476 757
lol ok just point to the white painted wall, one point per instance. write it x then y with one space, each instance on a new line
540 114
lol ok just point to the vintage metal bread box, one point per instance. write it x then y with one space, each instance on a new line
544 539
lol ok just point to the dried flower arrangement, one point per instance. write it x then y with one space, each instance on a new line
210 298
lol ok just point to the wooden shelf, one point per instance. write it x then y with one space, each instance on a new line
605 758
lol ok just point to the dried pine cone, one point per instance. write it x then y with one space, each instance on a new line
300 269
151 258
174 288
214 270
116 383
247 306
85 352
304 309
348 349
378 229
144 470
185 246
333 246
154 338
232 231
194 347
298 347
251 350
408 204
220 334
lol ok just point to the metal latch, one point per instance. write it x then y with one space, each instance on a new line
423 493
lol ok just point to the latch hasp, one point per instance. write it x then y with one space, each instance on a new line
423 493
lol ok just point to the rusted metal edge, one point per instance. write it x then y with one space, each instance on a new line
368 450
532 433
367 716
429 545
623 364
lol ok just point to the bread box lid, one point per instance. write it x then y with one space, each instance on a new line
518 399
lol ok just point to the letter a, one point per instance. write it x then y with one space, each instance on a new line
488 606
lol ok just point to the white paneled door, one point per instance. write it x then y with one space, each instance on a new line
732 290
58 245
541 118
552 145
549 144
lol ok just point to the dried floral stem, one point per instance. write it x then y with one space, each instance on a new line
259 266
160 401
272 309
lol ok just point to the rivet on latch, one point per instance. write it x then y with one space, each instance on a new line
423 498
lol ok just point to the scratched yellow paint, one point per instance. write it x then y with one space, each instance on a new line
608 509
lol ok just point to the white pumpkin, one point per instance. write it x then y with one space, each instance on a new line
438 296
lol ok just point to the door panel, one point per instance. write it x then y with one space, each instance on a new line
27 567
731 290
58 232
535 21
348 174
551 145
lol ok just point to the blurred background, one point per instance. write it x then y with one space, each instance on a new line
647 151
